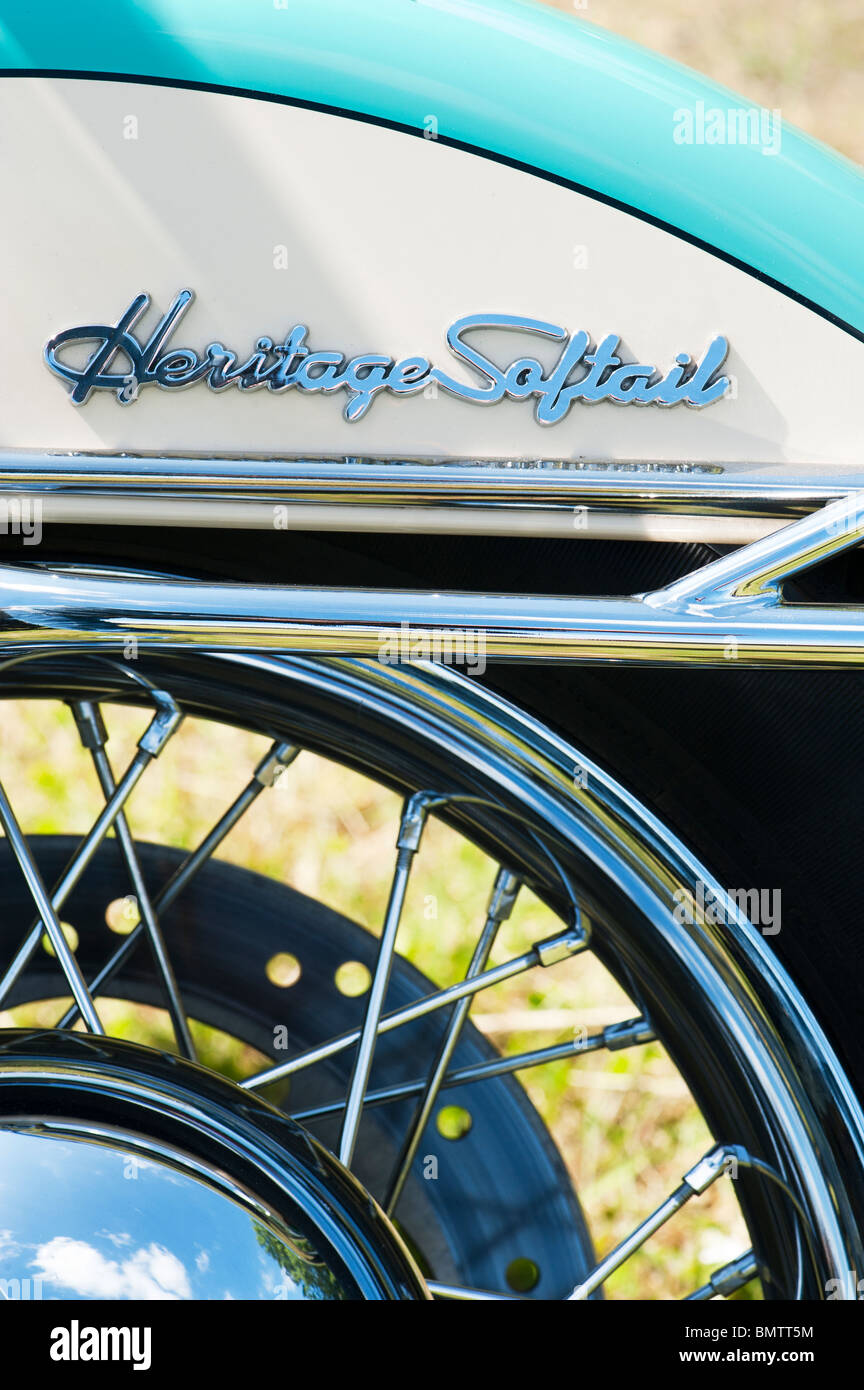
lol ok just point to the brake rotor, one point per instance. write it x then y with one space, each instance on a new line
494 1201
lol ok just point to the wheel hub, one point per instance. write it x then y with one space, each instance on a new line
129 1173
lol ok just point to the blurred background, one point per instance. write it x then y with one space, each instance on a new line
805 57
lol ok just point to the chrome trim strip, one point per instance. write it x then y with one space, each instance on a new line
539 497
82 611
731 610
243 514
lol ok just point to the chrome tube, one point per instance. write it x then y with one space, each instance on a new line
86 609
719 503
740 489
241 513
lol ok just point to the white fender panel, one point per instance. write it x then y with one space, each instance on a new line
377 240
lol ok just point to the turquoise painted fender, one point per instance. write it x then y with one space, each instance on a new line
512 79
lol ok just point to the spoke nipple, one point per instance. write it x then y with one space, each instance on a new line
164 723
274 763
707 1170
631 1033
559 947
503 896
414 819
91 725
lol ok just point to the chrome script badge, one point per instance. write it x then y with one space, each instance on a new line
122 363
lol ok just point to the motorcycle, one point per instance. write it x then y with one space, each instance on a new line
466 396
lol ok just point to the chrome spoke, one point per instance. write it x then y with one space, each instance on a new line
693 1184
501 903
466 1295
48 915
407 845
94 736
728 1280
265 775
633 1033
163 724
547 952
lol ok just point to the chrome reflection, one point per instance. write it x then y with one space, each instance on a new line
625 500
130 1173
94 1215
729 610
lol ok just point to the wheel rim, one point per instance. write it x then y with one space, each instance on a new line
763 1073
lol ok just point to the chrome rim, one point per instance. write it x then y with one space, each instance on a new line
751 1052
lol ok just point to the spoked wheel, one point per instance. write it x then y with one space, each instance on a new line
379 1081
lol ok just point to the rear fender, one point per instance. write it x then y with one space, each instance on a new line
377 173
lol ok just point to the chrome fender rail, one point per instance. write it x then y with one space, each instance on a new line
730 610
726 504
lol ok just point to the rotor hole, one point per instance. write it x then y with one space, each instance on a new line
122 915
70 934
352 978
453 1121
283 970
522 1275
